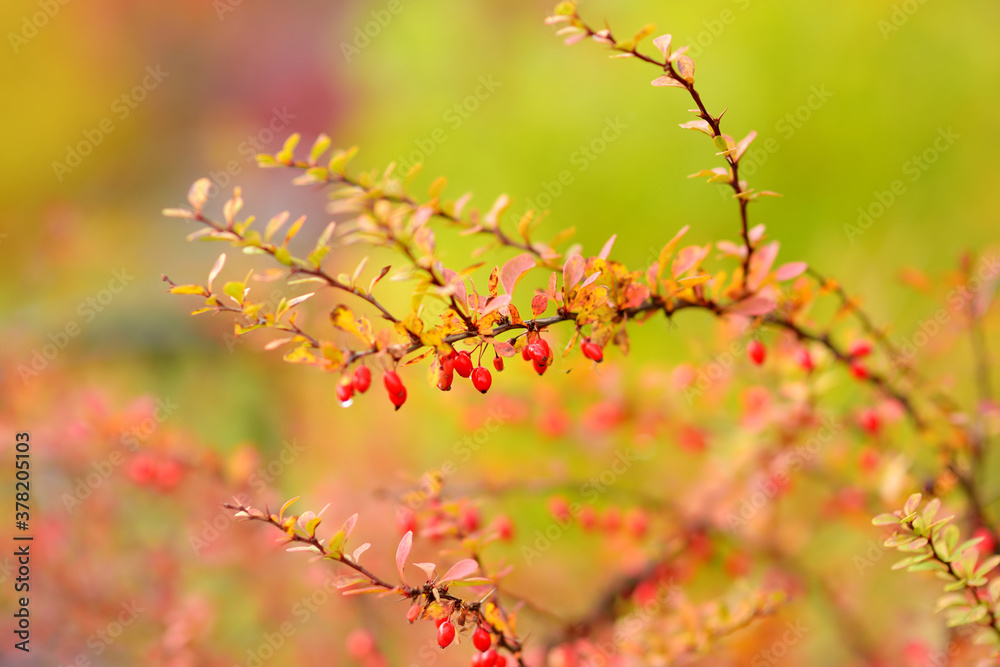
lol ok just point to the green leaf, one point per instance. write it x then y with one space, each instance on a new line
235 290
319 147
886 520
287 153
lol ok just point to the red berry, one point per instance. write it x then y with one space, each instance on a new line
504 527
501 661
804 359
756 352
637 522
988 543
559 508
406 521
446 634
469 519
524 354
446 374
398 399
362 379
463 364
592 351
142 469
481 639
588 518
539 352
860 348
438 621
539 368
477 660
169 474
482 379
869 421
859 370
392 382
360 644
489 658
498 363
345 390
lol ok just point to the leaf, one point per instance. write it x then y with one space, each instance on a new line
428 568
886 520
460 570
380 276
663 44
668 252
288 503
685 68
790 271
911 504
189 289
573 272
274 224
503 348
496 303
287 152
606 250
754 306
198 194
635 295
297 300
743 145
348 526
701 126
319 147
539 303
360 550
513 269
667 82
403 553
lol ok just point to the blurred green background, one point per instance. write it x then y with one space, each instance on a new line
239 73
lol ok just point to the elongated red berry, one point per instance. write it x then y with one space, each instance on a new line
463 364
439 620
345 390
538 351
501 661
869 420
392 382
860 348
859 370
498 363
524 354
804 359
477 660
756 352
489 658
482 379
481 639
539 368
446 373
398 399
362 379
592 351
446 634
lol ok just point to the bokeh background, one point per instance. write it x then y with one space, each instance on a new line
850 92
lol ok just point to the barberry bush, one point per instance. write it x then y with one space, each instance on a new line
806 419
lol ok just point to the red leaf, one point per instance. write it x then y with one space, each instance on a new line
459 570
606 250
573 271
513 270
753 306
538 304
635 295
403 553
790 270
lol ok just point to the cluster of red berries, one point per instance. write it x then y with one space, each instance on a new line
537 351
151 471
481 639
859 349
